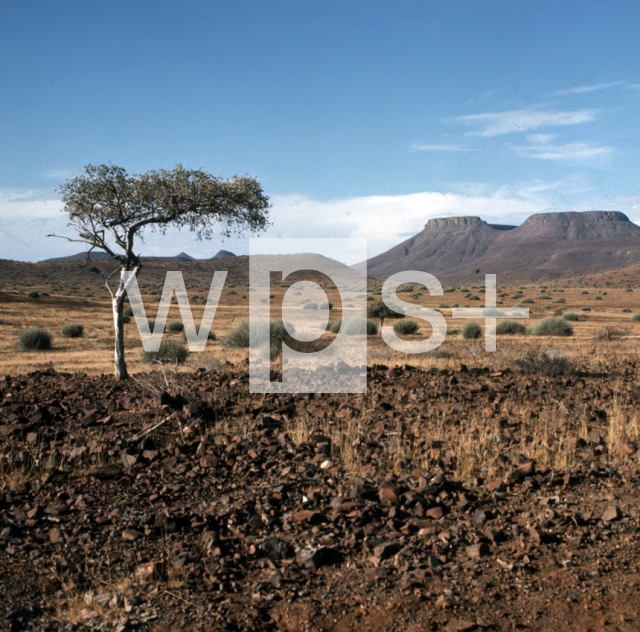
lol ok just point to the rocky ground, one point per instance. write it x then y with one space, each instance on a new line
182 502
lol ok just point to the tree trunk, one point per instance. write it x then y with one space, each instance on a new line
118 309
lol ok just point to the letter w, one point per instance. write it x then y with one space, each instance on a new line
174 283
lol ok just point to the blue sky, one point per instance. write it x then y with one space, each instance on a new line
361 119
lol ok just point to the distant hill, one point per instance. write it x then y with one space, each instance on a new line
103 256
223 254
545 245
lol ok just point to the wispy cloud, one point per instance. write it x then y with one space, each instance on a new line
584 89
542 148
419 147
499 123
59 174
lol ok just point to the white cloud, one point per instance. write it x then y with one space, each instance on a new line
542 148
418 147
589 88
59 174
499 123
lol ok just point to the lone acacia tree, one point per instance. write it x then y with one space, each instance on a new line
109 208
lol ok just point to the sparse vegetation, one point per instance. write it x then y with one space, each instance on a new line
34 339
535 362
510 328
552 326
170 351
73 330
175 326
471 330
405 327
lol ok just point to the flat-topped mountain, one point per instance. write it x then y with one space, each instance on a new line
545 244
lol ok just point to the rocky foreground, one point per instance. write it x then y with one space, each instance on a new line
455 501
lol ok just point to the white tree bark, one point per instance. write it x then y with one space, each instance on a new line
117 303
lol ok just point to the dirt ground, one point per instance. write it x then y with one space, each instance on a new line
463 491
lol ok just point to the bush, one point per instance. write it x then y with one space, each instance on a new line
626 310
415 295
542 363
544 297
170 351
381 310
352 326
454 304
175 326
326 305
239 336
509 328
559 300
584 292
597 298
471 331
570 316
210 335
310 306
72 331
636 318
33 294
552 326
585 309
128 312
405 327
526 301
125 319
34 339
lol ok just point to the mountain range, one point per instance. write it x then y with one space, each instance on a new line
103 256
545 245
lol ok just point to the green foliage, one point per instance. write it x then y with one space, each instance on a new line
626 310
405 327
128 311
585 309
636 318
33 294
471 330
571 317
526 301
559 300
73 330
175 326
239 336
170 351
552 326
510 328
34 339
381 310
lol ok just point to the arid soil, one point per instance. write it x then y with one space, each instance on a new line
465 499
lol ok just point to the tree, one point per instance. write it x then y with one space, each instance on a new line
380 310
109 208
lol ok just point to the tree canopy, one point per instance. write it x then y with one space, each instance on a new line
108 207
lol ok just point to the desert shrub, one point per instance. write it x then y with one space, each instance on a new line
552 326
544 297
464 289
636 318
454 304
626 310
471 331
545 364
405 327
33 294
126 319
381 310
584 292
170 351
128 311
415 295
503 294
326 305
34 339
473 297
628 289
370 298
352 326
510 327
73 330
210 335
152 325
239 336
443 305
175 326
570 316
559 300
597 298
526 301
310 306
231 292
585 309
305 300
